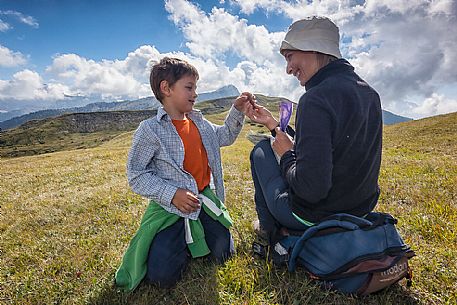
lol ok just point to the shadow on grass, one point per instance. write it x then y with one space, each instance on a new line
198 286
296 288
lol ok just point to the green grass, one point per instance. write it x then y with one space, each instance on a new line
67 217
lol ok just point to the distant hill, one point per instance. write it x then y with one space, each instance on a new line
93 126
150 103
390 118
147 103
68 131
432 135
90 129
8 108
6 115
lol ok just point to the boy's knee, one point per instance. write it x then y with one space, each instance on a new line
167 274
163 279
165 268
223 249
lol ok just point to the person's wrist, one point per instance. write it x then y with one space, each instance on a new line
273 130
272 125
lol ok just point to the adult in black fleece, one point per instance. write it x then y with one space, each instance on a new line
332 163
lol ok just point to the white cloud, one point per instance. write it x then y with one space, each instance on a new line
28 85
4 26
72 74
219 33
29 20
441 7
10 58
434 105
140 61
249 6
213 36
75 75
402 48
109 79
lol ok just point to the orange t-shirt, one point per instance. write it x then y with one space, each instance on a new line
195 157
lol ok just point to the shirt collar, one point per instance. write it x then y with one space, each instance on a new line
162 114
337 66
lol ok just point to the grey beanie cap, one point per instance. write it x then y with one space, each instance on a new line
315 33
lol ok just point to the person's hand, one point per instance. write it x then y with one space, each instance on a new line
185 201
262 115
282 143
244 103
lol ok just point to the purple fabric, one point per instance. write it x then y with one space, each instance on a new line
285 112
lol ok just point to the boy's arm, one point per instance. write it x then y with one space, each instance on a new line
140 170
227 133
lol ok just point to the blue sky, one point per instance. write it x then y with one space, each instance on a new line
100 30
91 29
104 49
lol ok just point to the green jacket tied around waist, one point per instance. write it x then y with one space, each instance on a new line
134 263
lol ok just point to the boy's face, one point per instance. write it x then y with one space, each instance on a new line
182 97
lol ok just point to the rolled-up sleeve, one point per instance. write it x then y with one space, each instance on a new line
233 124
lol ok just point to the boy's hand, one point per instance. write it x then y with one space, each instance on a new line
244 103
282 143
185 201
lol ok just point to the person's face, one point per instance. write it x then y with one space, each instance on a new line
301 64
180 98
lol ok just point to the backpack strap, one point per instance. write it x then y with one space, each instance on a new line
380 219
361 222
331 223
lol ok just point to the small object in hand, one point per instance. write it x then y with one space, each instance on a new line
252 100
285 113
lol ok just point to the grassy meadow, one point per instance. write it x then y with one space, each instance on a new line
67 217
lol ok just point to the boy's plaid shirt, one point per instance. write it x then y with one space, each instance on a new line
155 161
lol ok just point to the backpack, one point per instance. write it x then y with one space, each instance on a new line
350 254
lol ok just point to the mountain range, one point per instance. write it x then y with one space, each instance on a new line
390 118
147 103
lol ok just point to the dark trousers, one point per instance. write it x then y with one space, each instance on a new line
169 255
271 190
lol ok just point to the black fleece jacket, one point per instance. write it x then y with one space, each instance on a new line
334 165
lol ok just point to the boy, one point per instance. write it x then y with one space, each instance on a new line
171 161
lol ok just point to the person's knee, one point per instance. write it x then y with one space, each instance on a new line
166 274
223 248
163 279
259 149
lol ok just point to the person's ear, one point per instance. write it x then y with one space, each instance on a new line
165 88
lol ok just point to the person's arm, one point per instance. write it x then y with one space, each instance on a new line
308 167
229 131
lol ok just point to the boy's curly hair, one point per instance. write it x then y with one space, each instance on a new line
170 70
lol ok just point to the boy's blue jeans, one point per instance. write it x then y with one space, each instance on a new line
169 256
271 191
